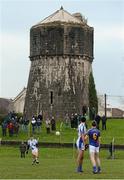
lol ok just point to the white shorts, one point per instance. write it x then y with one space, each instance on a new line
93 149
35 151
80 144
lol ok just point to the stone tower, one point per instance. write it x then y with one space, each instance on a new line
61 55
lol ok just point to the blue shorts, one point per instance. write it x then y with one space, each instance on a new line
80 144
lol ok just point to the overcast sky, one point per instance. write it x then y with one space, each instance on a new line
17 17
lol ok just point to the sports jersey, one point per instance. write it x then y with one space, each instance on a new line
32 144
81 129
94 135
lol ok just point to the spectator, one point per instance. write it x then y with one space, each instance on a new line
67 120
40 117
72 120
53 124
75 120
104 119
4 128
16 128
47 125
97 119
38 124
26 122
21 121
22 148
11 129
33 123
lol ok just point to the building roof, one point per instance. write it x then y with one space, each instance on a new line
63 17
5 105
22 93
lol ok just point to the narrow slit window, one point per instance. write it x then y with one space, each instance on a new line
51 97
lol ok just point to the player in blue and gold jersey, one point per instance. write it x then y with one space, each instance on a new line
94 145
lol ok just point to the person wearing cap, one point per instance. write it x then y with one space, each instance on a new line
94 145
81 144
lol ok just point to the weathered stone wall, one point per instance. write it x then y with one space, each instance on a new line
61 40
61 57
65 77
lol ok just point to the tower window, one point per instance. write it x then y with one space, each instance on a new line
51 97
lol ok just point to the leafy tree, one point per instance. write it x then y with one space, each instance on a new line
93 100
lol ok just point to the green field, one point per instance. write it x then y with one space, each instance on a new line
57 164
115 128
60 163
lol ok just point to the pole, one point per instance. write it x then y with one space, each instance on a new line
73 148
60 129
105 96
113 156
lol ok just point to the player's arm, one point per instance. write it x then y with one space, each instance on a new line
28 146
82 137
37 145
99 140
86 140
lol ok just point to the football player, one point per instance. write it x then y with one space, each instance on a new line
81 144
94 145
33 145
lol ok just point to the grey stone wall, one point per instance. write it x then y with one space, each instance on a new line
61 40
64 78
61 57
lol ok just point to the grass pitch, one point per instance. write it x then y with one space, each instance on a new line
57 164
114 129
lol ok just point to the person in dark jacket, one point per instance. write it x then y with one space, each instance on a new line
4 128
23 149
53 124
104 119
97 119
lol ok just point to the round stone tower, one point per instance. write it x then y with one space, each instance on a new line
61 55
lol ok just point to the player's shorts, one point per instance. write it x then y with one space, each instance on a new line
93 149
35 151
80 144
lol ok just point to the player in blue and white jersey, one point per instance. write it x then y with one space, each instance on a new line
94 145
81 143
33 145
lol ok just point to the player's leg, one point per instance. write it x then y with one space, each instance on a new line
34 160
92 158
33 157
80 160
36 156
80 157
98 160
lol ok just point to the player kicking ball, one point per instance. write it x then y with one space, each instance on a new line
94 145
33 145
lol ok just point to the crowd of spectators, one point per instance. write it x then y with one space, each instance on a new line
13 124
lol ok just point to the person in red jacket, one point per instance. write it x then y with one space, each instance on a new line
11 129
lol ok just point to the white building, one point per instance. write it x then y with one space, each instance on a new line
19 101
